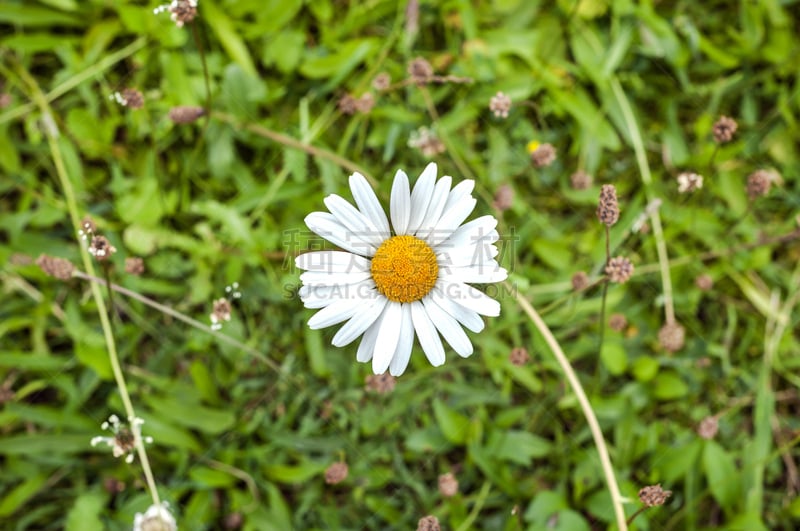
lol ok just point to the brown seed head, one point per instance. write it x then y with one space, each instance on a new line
580 180
221 310
653 495
185 114
671 337
326 411
181 11
703 362
132 98
233 521
348 104
580 281
724 129
125 441
543 155
113 485
708 427
365 103
7 394
426 141
519 356
88 226
5 100
704 282
59 268
689 182
503 197
381 384
429 523
619 269
759 183
607 206
500 104
101 248
382 82
134 265
448 485
617 322
420 71
336 473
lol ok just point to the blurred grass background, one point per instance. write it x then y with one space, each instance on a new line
241 445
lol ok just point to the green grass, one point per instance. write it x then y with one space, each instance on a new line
246 419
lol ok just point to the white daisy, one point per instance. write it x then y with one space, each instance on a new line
156 518
390 285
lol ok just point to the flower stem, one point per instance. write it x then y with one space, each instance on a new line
586 407
53 136
639 511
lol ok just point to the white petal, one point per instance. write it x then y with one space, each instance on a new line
427 335
478 231
482 273
436 207
336 312
332 262
403 352
318 278
367 345
358 224
467 256
340 291
459 192
469 318
368 203
450 221
400 203
450 329
388 337
321 296
421 197
362 320
469 297
327 226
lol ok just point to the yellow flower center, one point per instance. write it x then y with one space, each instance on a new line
404 268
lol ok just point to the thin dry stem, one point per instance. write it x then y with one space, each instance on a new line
52 134
586 407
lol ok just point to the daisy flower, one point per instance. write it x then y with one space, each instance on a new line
390 284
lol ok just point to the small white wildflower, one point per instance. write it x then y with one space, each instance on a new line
222 312
500 104
101 248
427 141
123 441
156 518
233 291
689 182
181 11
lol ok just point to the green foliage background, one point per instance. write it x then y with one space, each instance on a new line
221 201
